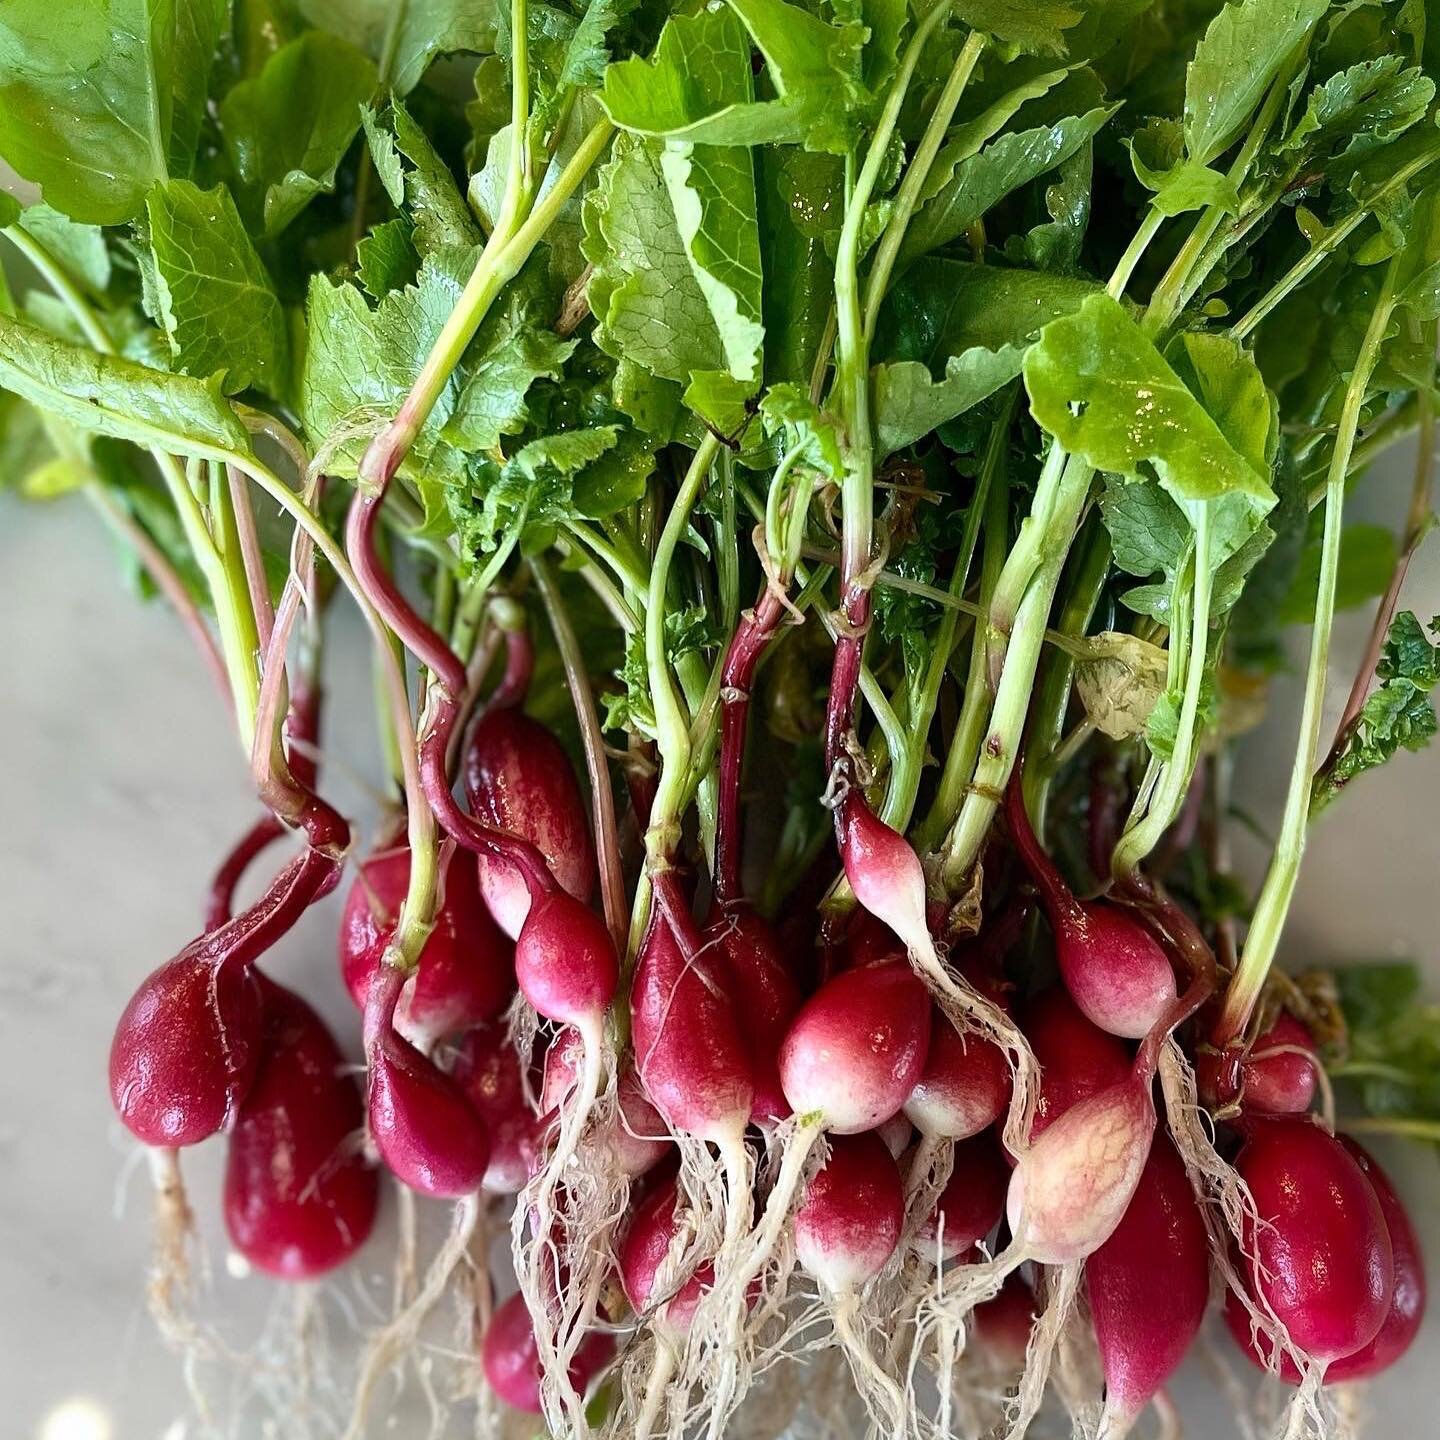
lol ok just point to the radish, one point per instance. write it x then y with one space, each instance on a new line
965 1085
1278 1073
701 1087
511 1358
972 1202
186 1050
871 942
565 963
187 1045
1004 1322
745 959
465 974
1114 969
856 1048
1149 1284
647 1245
1407 1304
299 1197
849 1223
885 874
638 1138
519 778
487 1069
1077 1059
846 1229
1321 1256
426 1131
1070 1189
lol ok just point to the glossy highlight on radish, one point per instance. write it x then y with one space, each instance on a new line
565 962
857 1047
1321 1256
1114 969
487 1069
511 1358
972 1202
1149 1284
519 778
428 1134
465 975
299 1197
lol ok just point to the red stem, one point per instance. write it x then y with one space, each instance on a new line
1147 1058
514 684
443 706
250 934
845 675
747 645
303 726
1056 895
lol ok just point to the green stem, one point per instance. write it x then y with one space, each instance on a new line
1143 831
852 378
974 708
1273 904
917 172
672 723
1001 746
1134 251
239 653
1046 725
499 263
1405 1126
1328 243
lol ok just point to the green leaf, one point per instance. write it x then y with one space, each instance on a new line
1391 1059
407 34
1156 153
686 92
386 258
1371 103
9 209
384 154
342 403
983 180
100 101
492 402
442 219
79 249
1103 390
109 395
788 411
287 129
644 293
1239 55
972 323
215 300
1032 24
712 194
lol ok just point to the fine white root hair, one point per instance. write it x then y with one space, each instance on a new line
1062 1284
886 1401
390 1347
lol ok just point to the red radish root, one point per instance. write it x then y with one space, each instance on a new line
511 1359
299 1197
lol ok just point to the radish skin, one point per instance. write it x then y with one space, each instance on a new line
487 1069
972 1202
465 975
511 1358
1149 1284
1003 1323
1114 969
1278 1074
1402 1320
519 778
299 1198
965 1085
426 1131
1077 1059
1321 1256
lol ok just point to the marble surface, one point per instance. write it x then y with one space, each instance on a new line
121 788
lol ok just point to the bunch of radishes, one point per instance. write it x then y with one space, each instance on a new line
776 1138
